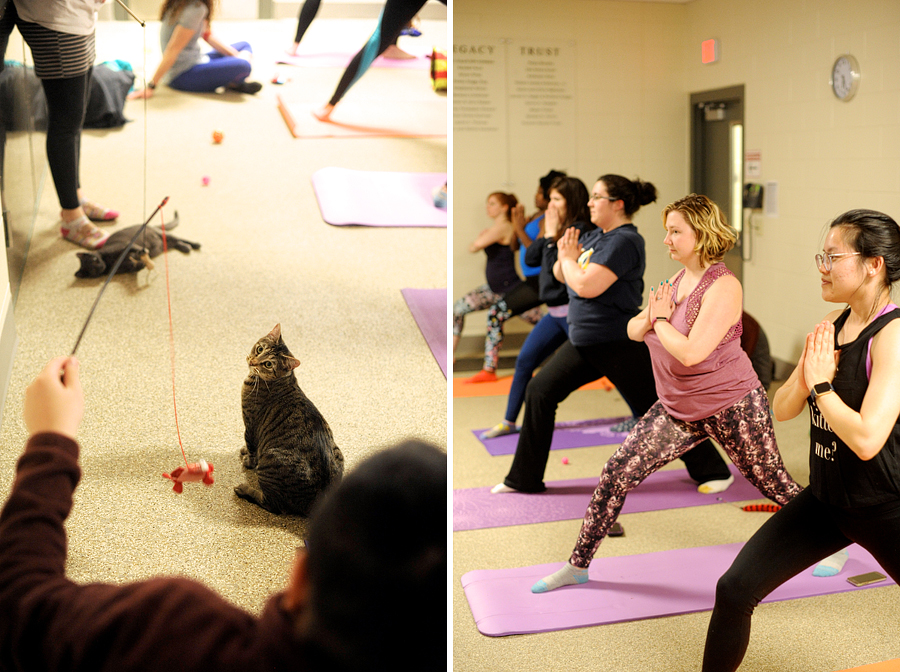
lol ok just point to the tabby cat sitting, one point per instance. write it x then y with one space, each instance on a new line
287 441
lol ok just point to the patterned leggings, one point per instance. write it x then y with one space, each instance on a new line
497 315
744 431
483 298
480 298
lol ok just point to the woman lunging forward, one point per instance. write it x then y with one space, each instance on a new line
706 384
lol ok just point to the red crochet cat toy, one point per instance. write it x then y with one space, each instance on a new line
198 471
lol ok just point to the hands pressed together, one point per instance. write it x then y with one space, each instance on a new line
518 218
662 301
568 245
54 402
819 360
552 221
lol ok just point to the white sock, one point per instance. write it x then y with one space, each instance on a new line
712 487
569 575
832 564
501 487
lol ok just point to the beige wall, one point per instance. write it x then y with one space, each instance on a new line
638 63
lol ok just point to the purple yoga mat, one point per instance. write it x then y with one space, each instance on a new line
429 310
367 198
477 508
629 588
572 434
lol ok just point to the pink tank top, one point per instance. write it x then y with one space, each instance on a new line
695 392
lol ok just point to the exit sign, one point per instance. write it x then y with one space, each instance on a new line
709 51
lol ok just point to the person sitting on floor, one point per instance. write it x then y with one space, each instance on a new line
183 67
368 593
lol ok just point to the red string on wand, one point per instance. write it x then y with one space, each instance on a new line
198 471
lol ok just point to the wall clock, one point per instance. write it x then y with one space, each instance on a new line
845 77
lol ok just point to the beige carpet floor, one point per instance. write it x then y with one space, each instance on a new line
819 634
267 258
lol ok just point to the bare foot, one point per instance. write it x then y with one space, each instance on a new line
324 113
395 53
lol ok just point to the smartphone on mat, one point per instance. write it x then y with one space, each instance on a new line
866 579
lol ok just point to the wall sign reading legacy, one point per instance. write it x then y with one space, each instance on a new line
503 84
479 91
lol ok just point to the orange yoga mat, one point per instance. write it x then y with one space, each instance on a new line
887 666
501 387
359 118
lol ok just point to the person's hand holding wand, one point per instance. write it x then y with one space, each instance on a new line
54 402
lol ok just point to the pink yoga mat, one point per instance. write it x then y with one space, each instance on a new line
429 310
629 588
573 434
477 508
395 116
364 198
421 61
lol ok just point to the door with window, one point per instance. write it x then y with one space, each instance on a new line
717 159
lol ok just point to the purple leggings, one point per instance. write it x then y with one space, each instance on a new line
744 431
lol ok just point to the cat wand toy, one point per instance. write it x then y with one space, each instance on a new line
133 15
113 272
190 473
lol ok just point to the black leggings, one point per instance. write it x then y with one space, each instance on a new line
394 17
804 532
62 62
66 107
307 14
627 365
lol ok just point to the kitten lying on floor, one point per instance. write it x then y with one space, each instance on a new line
148 245
287 440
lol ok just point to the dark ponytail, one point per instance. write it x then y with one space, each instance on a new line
633 193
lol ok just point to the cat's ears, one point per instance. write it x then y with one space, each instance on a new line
275 334
292 362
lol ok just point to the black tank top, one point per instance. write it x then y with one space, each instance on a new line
837 475
500 271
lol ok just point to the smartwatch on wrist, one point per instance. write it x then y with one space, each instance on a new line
660 317
151 85
820 389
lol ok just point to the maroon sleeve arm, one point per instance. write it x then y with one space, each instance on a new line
32 532
48 623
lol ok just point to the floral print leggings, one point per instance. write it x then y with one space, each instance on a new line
483 298
744 431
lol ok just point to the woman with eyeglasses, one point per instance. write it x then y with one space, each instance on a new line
603 272
854 457
706 384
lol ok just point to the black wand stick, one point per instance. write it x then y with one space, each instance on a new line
113 272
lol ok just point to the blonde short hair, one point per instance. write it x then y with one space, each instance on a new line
715 236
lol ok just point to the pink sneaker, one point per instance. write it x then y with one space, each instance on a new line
96 213
82 232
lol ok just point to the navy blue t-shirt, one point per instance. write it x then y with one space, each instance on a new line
605 318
